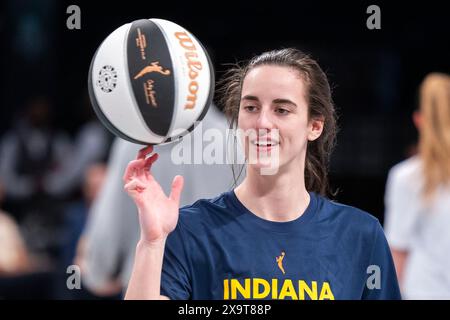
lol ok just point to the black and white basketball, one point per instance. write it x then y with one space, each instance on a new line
150 81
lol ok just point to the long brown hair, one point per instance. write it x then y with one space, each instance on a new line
320 105
434 138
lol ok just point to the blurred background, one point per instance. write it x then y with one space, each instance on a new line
54 153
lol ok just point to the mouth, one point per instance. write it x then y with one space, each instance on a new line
264 145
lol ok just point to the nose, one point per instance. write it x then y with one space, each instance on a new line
264 120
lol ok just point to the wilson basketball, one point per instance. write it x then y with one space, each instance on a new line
150 81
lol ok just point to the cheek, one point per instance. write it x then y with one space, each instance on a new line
239 120
242 126
243 121
296 134
298 122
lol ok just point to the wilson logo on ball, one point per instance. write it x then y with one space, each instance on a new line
194 67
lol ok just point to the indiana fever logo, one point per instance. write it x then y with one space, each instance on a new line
277 289
150 94
279 260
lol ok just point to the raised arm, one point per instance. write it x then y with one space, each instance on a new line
158 216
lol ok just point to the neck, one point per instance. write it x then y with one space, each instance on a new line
281 197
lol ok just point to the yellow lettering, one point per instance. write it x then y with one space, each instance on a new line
274 288
244 291
326 293
288 290
303 287
226 290
259 288
256 293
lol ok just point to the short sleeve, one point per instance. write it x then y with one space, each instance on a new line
175 278
381 282
402 208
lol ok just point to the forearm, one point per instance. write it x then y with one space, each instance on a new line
145 282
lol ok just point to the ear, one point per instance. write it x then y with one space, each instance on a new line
417 119
315 128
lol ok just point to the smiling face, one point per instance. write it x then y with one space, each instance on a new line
274 105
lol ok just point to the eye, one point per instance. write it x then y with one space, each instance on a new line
282 111
250 108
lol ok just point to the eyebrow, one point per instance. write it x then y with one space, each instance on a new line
279 100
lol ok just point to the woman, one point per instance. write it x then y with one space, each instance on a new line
418 199
275 236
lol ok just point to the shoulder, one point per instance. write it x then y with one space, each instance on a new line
355 232
346 217
400 178
407 169
205 213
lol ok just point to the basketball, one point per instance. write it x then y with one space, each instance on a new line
150 81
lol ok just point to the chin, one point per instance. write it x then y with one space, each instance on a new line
266 166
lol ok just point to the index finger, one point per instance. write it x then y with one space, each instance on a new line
144 151
133 167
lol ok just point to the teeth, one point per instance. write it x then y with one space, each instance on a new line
264 143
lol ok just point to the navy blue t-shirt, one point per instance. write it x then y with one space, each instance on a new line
221 250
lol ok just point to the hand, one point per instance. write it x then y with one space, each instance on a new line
158 214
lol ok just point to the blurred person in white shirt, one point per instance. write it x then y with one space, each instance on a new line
417 218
